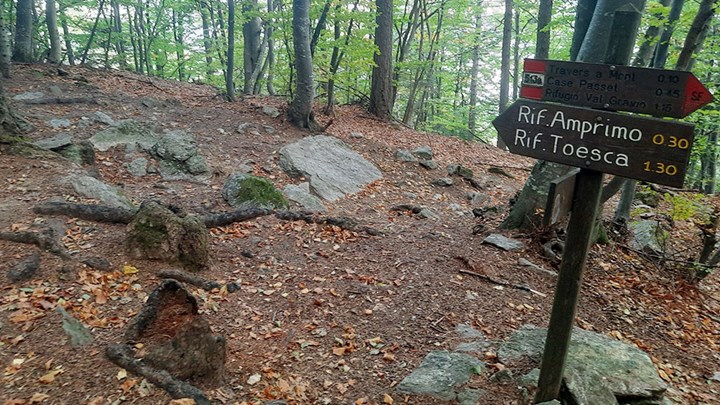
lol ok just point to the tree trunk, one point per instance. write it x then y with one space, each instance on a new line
271 51
381 100
23 51
93 31
694 38
179 37
230 73
643 57
117 31
542 42
406 35
300 109
5 53
207 39
505 62
710 163
12 125
516 57
51 18
319 27
251 44
583 16
66 37
661 51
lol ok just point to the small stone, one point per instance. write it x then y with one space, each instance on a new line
428 214
76 331
530 380
29 96
500 171
55 91
138 167
271 111
409 195
57 123
423 152
54 142
269 129
503 242
103 118
476 198
247 128
24 270
254 379
405 155
504 376
429 164
715 377
357 135
443 182
97 263
468 332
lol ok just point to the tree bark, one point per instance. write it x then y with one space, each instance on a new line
66 37
207 39
542 41
179 37
381 92
5 52
117 31
23 51
643 57
505 62
51 19
230 73
271 52
661 51
251 44
694 38
300 110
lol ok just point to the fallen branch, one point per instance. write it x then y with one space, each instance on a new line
46 239
96 213
492 280
342 222
205 284
215 220
123 356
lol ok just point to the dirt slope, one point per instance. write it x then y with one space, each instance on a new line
324 315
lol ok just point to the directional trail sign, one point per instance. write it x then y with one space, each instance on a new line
647 149
658 92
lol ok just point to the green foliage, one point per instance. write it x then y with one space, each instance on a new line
683 208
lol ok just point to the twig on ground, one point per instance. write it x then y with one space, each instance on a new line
492 280
123 356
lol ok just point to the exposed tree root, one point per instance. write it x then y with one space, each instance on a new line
96 213
62 100
215 220
342 222
123 356
197 281
415 209
45 238
492 280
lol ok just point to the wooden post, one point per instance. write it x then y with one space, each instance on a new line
580 230
623 29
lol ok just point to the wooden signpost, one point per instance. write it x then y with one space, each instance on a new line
658 92
597 142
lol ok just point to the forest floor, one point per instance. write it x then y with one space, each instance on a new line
316 302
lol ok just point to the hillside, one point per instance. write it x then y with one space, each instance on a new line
324 315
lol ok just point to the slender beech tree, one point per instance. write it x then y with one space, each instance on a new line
381 91
5 53
300 109
251 44
23 50
505 61
477 35
229 75
51 19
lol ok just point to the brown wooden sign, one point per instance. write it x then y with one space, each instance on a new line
560 198
658 92
647 149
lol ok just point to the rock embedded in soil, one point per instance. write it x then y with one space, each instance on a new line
405 155
178 157
93 188
242 190
126 132
440 375
627 371
331 166
76 331
54 142
25 269
423 152
301 195
503 242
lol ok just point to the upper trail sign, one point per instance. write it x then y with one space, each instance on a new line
658 92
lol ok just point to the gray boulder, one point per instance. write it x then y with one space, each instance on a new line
330 165
29 96
93 188
138 167
103 118
647 236
429 164
301 194
271 111
123 133
624 369
440 374
177 156
57 123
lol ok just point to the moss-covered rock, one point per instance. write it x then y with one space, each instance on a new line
157 233
245 191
